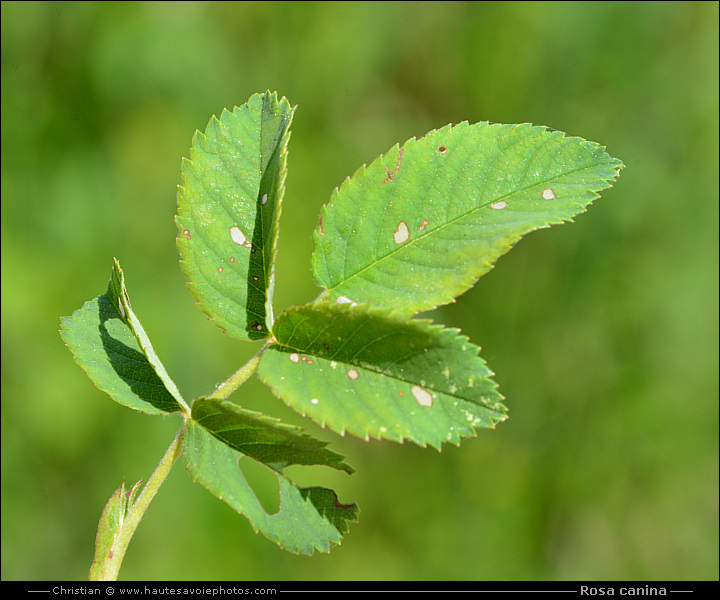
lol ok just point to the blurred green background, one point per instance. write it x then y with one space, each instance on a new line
603 333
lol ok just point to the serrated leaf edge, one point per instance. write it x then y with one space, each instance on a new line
401 318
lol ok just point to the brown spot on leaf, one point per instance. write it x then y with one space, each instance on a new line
389 175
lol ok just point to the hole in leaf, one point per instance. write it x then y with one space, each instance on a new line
264 483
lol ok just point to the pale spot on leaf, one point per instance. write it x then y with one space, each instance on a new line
121 307
186 233
423 397
238 237
423 225
264 199
294 357
548 194
353 374
345 300
402 234
314 400
499 205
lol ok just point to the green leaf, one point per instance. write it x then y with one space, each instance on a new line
109 343
276 445
309 519
376 373
228 211
418 226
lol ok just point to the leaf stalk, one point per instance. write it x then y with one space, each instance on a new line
112 562
240 376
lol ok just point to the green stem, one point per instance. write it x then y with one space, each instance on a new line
108 559
110 565
238 377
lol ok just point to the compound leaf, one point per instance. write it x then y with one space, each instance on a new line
228 212
376 373
309 519
418 226
109 343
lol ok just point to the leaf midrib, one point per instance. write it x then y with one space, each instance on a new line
365 367
450 223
